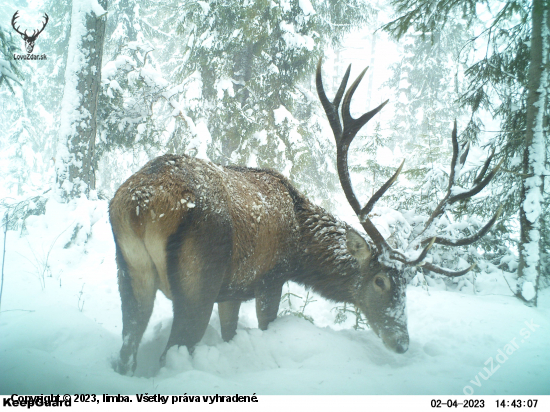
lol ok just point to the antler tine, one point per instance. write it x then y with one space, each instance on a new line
420 257
485 167
351 125
45 23
467 240
454 139
15 17
429 266
341 89
367 224
376 236
476 189
465 149
446 272
370 204
331 109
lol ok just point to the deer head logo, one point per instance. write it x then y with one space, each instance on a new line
29 40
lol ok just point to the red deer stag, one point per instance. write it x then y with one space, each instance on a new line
205 234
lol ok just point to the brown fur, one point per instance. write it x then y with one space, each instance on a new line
203 233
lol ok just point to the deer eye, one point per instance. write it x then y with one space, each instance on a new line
378 281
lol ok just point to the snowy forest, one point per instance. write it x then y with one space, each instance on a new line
92 90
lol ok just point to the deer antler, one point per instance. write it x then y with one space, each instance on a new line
345 135
15 17
35 32
46 19
455 194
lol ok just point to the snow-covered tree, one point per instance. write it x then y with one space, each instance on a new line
9 72
534 156
76 144
248 67
230 81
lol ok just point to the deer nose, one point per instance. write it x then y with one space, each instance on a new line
399 348
402 344
398 344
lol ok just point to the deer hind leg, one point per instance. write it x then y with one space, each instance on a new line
189 324
268 297
136 282
229 317
196 266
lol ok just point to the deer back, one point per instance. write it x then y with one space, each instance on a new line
180 205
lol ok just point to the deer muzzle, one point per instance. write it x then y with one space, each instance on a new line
397 342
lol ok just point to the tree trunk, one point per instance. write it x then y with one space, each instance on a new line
371 65
242 73
534 159
545 223
75 159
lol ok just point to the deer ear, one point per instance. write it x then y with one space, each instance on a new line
358 247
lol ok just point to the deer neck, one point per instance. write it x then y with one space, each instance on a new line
325 264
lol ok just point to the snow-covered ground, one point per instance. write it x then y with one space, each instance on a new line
60 329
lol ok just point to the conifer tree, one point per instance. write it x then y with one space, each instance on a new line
9 72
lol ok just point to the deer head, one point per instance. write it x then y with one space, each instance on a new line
29 40
382 297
